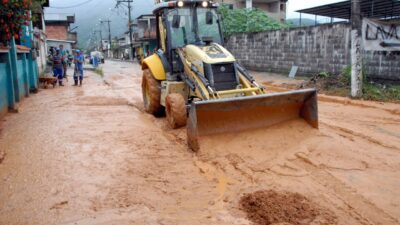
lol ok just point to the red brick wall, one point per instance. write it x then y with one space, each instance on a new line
58 32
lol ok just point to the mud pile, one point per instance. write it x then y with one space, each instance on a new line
270 207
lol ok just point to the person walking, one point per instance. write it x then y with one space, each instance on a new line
95 61
64 55
57 66
70 59
78 73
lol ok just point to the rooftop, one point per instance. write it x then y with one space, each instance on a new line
146 16
59 17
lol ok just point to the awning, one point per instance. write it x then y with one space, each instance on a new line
381 9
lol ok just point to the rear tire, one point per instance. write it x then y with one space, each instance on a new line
151 91
175 108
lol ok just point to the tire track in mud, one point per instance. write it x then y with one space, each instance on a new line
213 169
345 101
178 139
345 199
334 99
357 206
360 135
369 123
210 170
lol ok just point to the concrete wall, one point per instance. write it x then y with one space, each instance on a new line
18 76
41 49
313 49
383 65
42 57
3 89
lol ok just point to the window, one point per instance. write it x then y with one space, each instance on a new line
187 32
283 7
208 30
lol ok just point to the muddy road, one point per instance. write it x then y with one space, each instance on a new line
91 155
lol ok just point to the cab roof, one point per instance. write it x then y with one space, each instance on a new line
173 4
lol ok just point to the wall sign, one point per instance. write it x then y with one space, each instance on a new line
381 35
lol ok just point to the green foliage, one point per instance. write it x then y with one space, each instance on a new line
378 92
324 74
37 6
346 74
373 91
14 14
247 20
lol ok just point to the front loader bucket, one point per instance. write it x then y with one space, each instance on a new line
245 113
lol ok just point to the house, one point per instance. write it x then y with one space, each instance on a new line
58 30
40 39
105 46
19 62
120 46
275 9
144 39
145 34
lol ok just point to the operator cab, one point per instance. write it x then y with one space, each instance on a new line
183 23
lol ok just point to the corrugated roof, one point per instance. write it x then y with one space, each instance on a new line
369 8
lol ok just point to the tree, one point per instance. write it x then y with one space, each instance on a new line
248 20
14 14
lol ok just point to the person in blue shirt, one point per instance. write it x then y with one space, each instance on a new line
95 61
57 66
78 74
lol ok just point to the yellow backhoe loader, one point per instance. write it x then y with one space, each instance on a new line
198 83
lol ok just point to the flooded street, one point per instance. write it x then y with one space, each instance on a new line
91 155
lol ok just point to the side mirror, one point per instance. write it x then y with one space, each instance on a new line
176 21
209 18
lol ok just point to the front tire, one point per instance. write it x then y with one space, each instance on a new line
151 91
175 108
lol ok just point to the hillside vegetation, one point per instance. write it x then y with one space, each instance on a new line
248 20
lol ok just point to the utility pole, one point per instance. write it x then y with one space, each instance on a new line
129 23
109 34
101 38
356 50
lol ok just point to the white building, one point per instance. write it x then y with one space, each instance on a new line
275 9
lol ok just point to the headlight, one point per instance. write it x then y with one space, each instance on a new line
180 4
204 4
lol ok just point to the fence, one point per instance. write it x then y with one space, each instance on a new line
18 76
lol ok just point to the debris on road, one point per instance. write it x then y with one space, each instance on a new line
270 207
59 205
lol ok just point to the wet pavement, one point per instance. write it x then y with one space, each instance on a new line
90 155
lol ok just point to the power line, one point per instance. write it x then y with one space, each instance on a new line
129 21
109 34
72 6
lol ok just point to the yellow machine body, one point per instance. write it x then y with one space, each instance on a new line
155 65
244 105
